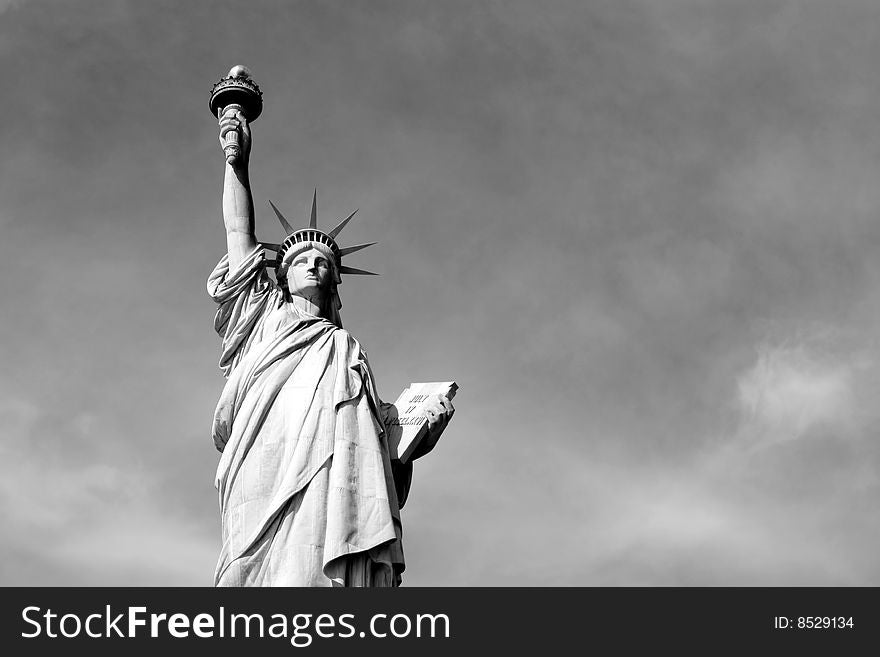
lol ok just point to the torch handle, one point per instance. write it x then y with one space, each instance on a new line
231 147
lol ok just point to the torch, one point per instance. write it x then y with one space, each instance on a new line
236 91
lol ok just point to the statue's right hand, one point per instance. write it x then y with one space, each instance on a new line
234 121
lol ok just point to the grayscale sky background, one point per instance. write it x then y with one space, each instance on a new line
642 235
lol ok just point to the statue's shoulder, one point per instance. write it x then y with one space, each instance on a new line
343 335
345 339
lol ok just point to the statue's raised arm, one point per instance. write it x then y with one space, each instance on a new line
238 203
236 101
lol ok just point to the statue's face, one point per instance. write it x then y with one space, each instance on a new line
310 275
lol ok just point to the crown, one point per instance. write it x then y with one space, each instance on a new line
313 234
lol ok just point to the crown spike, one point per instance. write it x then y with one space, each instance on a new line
351 270
271 263
352 249
333 233
313 221
284 222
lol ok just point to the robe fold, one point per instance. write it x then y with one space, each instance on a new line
306 485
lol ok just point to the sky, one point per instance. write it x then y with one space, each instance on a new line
643 236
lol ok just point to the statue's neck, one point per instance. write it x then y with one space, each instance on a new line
305 305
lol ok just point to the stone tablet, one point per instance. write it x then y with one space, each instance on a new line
408 424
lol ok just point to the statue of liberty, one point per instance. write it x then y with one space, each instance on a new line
309 494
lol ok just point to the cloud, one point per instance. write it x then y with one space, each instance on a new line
99 522
610 524
778 497
696 526
791 390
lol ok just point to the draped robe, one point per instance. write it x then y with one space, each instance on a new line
306 486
